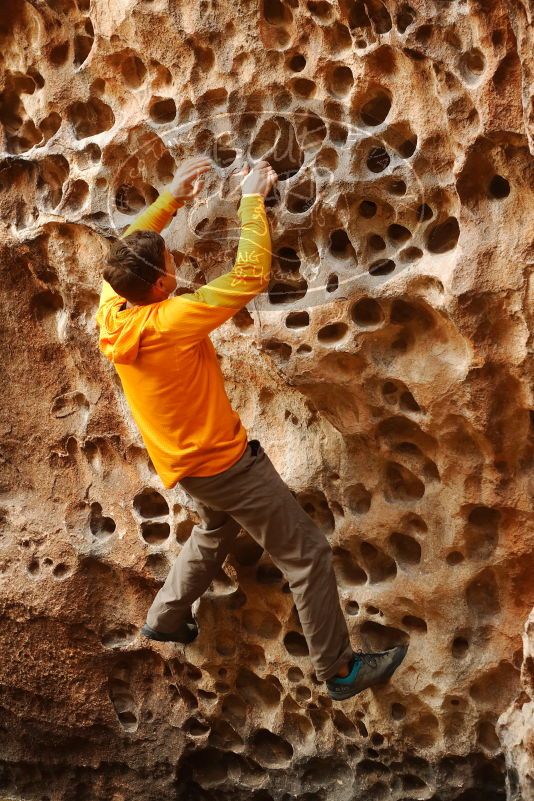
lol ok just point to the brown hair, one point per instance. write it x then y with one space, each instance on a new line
134 264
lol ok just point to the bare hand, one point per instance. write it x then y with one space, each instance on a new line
186 182
259 180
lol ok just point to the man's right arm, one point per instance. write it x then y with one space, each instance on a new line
194 314
252 268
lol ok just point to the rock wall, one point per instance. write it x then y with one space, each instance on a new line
387 373
516 727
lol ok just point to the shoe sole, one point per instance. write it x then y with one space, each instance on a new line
168 639
350 692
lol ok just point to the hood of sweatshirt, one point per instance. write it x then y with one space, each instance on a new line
121 329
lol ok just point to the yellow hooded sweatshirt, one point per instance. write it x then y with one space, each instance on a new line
166 361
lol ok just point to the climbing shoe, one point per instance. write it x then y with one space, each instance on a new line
185 634
365 671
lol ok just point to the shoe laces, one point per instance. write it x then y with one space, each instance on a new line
367 659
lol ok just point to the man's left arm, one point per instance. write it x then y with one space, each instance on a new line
160 213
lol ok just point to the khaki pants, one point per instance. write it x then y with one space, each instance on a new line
252 495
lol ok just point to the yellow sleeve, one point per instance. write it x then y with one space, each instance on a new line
154 218
193 315
252 268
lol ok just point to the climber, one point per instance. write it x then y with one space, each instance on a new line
171 378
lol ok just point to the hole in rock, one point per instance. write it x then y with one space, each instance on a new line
382 267
405 17
414 623
316 506
340 244
348 572
332 283
375 110
303 693
300 198
322 10
499 187
155 533
61 571
409 255
222 154
223 736
287 292
287 157
288 259
162 109
398 233
83 43
352 608
444 237
424 212
133 71
77 195
358 499
59 54
100 526
343 724
275 12
296 644
158 566
472 64
303 87
234 709
332 333
264 139
280 349
150 503
196 727
311 130
403 312
338 134
378 159
91 118
397 188
407 550
367 312
50 125
297 320
376 242
367 209
270 750
295 674
454 558
401 484
379 566
297 62
341 81
381 638
487 736
255 691
398 711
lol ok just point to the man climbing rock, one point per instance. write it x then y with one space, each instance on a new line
172 381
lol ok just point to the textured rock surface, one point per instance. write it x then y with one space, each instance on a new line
387 373
516 727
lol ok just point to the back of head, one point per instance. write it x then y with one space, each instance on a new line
134 264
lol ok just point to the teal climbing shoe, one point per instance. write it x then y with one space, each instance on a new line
365 671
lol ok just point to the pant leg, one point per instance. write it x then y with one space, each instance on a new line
255 495
194 568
